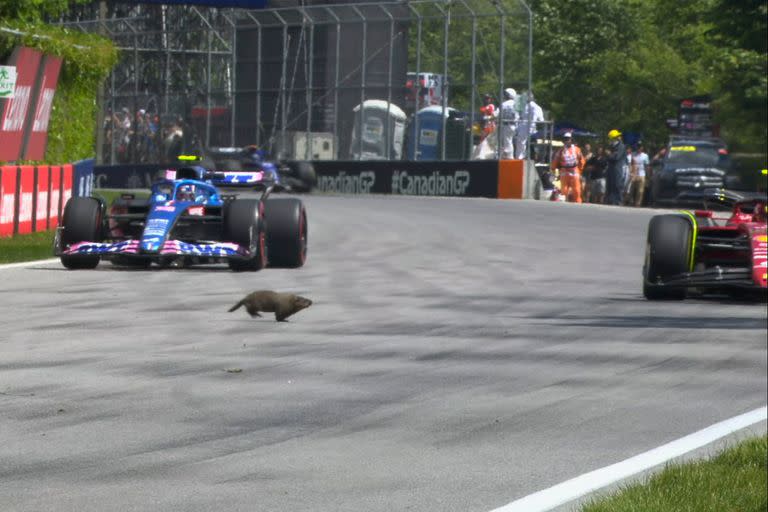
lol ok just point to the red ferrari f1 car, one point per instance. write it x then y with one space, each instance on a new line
708 252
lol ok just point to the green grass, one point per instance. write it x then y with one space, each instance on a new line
39 246
736 480
34 246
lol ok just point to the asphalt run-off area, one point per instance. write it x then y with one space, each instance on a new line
460 354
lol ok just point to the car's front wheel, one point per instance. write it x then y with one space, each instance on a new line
668 253
81 222
287 232
244 225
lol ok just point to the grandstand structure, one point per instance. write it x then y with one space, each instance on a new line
288 75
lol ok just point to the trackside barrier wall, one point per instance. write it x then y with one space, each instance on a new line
54 213
26 199
8 176
504 179
67 177
42 197
32 198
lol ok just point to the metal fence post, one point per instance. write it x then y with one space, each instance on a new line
502 45
416 134
336 138
362 84
387 143
310 137
208 95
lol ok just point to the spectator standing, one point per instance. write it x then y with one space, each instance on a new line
640 163
489 114
585 188
595 168
532 114
656 162
625 174
509 119
569 162
615 158
173 143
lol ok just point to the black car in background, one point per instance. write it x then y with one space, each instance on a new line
690 166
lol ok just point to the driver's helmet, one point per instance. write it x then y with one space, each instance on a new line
186 193
252 158
760 213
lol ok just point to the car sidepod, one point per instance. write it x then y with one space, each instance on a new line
759 248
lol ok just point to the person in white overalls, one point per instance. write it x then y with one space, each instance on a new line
508 119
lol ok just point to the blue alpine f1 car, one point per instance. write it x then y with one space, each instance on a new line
246 166
184 221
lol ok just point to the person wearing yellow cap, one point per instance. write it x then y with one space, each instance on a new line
616 154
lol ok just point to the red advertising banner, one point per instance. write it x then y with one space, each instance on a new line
26 198
37 131
7 199
14 110
41 198
67 181
54 213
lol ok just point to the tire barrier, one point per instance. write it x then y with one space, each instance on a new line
32 198
500 179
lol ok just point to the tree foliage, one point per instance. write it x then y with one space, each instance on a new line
87 60
34 10
626 63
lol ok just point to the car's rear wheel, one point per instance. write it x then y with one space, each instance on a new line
287 232
301 176
668 251
244 224
81 222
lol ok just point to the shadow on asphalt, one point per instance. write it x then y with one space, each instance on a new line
749 299
713 321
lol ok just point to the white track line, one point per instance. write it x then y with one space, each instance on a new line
26 263
588 482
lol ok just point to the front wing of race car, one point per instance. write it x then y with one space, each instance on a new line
132 248
718 277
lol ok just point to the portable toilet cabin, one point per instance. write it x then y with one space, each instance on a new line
372 121
425 134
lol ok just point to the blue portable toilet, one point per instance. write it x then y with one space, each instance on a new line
425 140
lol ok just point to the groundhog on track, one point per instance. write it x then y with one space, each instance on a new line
282 305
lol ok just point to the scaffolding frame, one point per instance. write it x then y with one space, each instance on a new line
174 55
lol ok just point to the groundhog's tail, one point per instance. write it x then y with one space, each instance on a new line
237 305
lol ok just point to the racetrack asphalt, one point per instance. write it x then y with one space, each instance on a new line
460 354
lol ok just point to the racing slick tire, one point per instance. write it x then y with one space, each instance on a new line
670 240
301 176
244 225
287 232
82 222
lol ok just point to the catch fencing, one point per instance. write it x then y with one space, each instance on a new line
312 82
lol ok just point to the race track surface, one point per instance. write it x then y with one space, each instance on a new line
460 354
